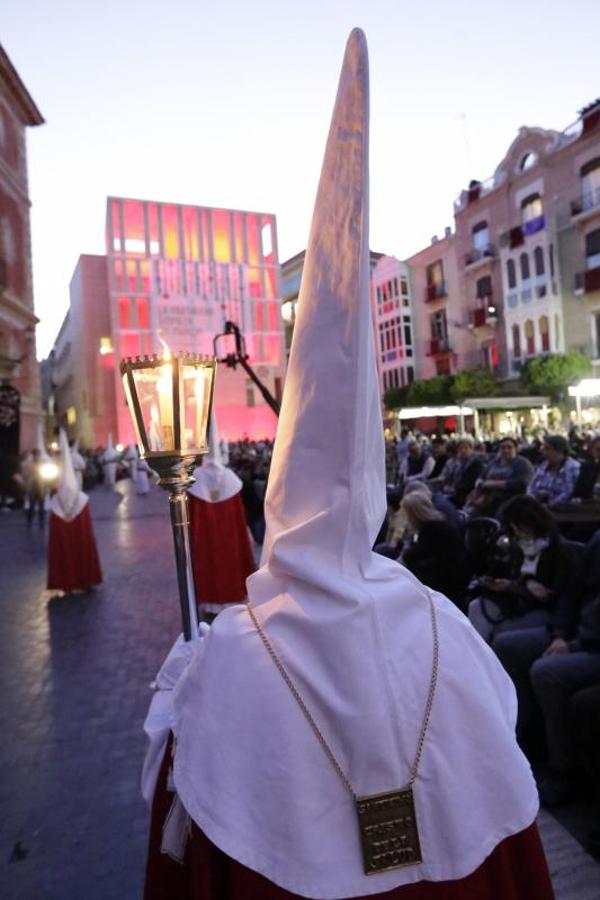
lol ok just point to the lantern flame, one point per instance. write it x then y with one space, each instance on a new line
166 351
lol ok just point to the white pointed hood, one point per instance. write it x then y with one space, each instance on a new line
214 482
68 501
41 444
110 454
352 628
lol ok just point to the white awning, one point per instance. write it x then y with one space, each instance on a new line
423 412
508 402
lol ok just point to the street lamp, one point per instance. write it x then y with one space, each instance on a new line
170 399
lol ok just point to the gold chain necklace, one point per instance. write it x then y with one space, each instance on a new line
387 822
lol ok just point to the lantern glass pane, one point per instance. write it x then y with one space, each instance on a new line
154 387
139 438
195 398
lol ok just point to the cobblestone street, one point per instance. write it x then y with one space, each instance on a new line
74 682
74 678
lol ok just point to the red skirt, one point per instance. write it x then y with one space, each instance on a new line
221 552
515 870
72 555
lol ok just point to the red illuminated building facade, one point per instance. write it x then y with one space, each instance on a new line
174 274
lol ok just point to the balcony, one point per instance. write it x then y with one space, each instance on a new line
434 292
534 225
515 237
438 347
483 316
477 257
586 206
588 281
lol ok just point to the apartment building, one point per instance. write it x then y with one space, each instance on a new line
528 248
392 322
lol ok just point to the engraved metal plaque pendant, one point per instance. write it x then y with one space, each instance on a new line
388 831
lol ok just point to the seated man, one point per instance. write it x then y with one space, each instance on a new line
554 479
548 668
472 466
507 475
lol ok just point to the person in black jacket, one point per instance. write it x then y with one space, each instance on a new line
472 465
549 667
539 574
589 473
435 554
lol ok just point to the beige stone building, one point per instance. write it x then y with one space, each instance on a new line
19 371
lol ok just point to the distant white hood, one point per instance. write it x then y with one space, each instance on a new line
214 482
353 628
68 501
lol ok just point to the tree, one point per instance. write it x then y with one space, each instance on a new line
395 397
431 391
474 383
553 374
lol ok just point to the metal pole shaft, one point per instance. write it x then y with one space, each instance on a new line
180 520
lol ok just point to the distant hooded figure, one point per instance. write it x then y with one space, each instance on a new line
78 463
72 554
109 462
346 733
221 549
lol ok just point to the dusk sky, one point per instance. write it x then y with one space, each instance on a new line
228 104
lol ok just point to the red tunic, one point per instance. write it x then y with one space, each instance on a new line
221 551
516 870
72 555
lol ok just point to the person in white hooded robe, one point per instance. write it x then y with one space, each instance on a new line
78 463
346 733
109 463
73 563
221 550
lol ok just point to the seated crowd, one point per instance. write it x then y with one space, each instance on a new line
483 524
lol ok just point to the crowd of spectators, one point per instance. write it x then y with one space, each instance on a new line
490 524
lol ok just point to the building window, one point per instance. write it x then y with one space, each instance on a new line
590 184
524 266
404 285
532 214
592 249
481 236
516 342
511 273
556 331
489 356
410 374
597 335
529 337
407 335
538 260
544 333
528 161
439 326
435 280
442 366
484 287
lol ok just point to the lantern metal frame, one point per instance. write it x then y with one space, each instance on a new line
173 466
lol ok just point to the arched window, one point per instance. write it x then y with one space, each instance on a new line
511 274
528 161
538 260
516 341
544 333
524 265
556 331
529 337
